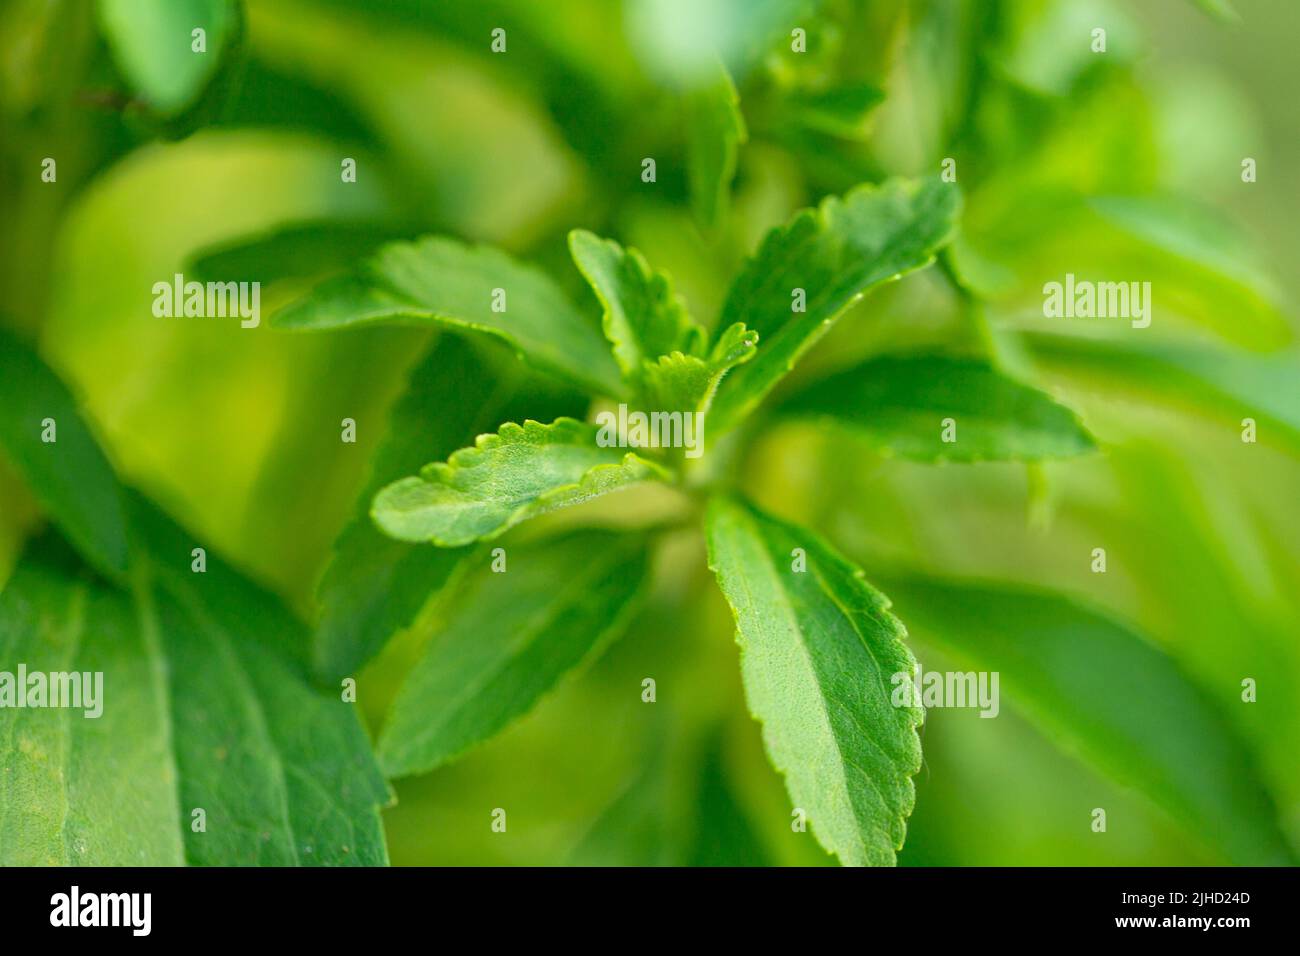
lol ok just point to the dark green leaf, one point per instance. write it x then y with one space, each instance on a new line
70 475
1101 690
300 249
899 402
374 586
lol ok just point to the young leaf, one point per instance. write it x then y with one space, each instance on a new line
68 473
201 711
374 586
152 43
823 260
519 473
438 281
511 637
818 651
715 131
685 383
643 317
899 402
1103 691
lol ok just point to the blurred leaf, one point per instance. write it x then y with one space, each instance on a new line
818 651
1201 270
518 473
1107 694
1219 9
1049 46
511 638
836 110
1231 384
374 586
151 41
899 402
642 826
715 131
69 476
835 254
290 251
437 281
643 317
199 711
723 835
683 39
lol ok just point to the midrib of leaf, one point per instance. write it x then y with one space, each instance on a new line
809 670
76 627
150 636
250 704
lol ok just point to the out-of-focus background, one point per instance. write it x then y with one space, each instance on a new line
1125 164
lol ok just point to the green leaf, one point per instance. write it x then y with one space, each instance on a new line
818 651
152 44
441 282
835 254
202 708
723 834
643 317
899 402
1104 692
69 476
293 250
509 640
374 586
519 473
715 131
1219 9
685 383
837 110
1231 384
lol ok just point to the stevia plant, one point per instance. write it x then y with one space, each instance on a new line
819 646
574 456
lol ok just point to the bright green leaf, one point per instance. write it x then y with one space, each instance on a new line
1104 692
518 473
152 43
70 475
899 404
510 639
833 254
438 281
818 651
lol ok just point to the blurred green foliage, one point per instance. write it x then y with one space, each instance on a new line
1124 165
